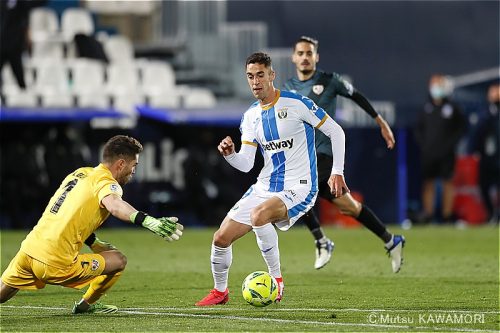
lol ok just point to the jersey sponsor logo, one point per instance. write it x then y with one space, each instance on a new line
114 187
282 113
278 145
303 181
318 89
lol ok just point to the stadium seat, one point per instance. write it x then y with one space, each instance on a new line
76 20
122 78
52 84
125 104
44 49
43 24
88 83
195 97
158 84
119 48
15 96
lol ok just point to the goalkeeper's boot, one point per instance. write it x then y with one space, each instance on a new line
95 308
214 297
396 252
281 287
324 249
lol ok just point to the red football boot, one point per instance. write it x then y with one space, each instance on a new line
214 297
281 286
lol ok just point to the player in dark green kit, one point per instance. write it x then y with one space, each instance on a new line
323 89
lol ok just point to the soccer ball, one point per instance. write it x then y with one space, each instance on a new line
259 289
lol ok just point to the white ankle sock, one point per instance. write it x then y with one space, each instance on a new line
267 240
220 261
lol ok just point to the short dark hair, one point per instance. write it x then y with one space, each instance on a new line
121 146
307 39
259 58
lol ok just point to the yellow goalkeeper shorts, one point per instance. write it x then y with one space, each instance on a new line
25 272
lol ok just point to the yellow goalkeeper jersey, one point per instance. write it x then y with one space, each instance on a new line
74 212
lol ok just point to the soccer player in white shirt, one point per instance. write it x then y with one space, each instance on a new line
281 125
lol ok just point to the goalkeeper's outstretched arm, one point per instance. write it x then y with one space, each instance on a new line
166 227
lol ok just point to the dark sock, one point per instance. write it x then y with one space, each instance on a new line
312 222
373 223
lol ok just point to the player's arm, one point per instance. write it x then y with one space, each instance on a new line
97 245
337 136
166 227
244 159
385 129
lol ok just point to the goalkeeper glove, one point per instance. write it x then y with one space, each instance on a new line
166 227
97 245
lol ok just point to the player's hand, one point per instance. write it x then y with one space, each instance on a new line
166 227
100 246
226 146
337 184
386 132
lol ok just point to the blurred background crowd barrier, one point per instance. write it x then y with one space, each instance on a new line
171 74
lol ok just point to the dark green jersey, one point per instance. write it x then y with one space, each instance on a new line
323 89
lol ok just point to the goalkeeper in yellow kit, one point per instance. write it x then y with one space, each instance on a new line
86 197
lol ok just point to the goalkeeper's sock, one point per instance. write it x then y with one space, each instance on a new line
221 259
267 240
99 286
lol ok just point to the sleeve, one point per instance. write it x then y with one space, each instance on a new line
336 134
342 86
245 158
105 186
363 103
319 119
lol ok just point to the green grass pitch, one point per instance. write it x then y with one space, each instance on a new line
449 282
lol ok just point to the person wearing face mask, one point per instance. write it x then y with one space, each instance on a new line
438 131
487 144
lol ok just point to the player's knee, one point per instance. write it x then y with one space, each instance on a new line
120 261
258 216
221 240
353 209
123 262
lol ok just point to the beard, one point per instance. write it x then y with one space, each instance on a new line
307 71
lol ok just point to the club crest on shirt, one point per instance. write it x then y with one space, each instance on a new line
318 89
95 265
282 113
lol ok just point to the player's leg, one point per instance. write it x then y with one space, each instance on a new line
18 275
221 258
6 292
262 217
393 243
115 263
351 207
324 245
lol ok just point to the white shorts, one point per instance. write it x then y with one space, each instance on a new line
298 200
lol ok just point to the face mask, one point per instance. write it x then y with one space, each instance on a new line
436 92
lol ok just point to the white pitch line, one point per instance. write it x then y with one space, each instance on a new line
218 308
260 319
227 308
